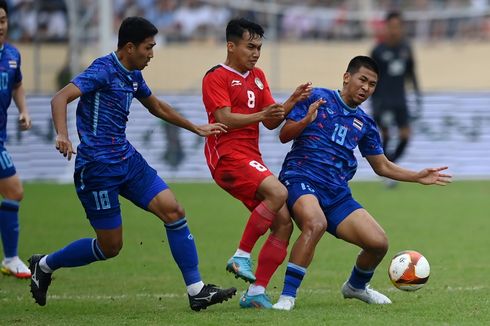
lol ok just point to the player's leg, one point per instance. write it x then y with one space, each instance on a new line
98 190
270 192
361 229
147 190
12 193
381 116
311 220
402 120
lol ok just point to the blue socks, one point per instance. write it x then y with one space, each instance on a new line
359 278
292 280
78 253
183 250
9 227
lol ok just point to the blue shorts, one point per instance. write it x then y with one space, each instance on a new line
99 185
7 168
336 203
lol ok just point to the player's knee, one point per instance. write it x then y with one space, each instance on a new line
111 249
379 245
174 213
315 227
278 196
16 193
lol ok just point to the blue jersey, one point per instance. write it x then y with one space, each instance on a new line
107 91
324 152
10 76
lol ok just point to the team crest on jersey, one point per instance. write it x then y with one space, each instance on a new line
13 64
259 84
357 123
135 86
235 82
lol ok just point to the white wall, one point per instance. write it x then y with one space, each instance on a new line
454 130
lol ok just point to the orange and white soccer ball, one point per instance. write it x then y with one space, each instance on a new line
409 270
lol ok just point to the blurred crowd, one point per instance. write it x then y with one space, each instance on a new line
191 20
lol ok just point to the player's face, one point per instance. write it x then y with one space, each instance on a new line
394 30
3 26
245 53
142 54
359 86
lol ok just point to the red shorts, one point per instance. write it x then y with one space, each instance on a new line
241 175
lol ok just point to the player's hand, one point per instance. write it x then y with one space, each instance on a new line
64 146
274 111
313 110
25 122
302 92
211 129
433 176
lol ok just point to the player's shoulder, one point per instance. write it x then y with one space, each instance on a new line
320 92
215 71
11 50
363 115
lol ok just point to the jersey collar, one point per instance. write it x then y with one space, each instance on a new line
114 56
347 109
235 71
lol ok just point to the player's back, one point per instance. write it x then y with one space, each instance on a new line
324 152
245 94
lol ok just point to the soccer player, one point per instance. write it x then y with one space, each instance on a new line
107 165
326 128
236 93
396 65
10 184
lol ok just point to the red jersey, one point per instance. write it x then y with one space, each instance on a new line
246 93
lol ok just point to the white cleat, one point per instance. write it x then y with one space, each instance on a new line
14 266
367 295
284 303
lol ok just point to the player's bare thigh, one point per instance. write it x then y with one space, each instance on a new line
11 188
361 229
308 215
165 206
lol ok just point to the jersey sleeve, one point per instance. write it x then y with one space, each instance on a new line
95 77
214 92
300 110
370 143
143 90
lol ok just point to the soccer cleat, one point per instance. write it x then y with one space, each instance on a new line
255 301
14 266
210 294
40 280
241 267
285 302
367 295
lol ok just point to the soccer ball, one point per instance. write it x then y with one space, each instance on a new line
409 270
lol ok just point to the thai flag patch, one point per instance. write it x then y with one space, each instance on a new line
135 86
357 123
13 64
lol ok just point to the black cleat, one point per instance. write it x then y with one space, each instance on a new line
40 280
210 294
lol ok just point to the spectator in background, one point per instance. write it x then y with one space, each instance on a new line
396 65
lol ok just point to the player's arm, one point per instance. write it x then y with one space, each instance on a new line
302 92
19 96
292 129
59 104
164 111
239 120
429 176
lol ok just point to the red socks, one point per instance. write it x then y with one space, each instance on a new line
271 257
259 222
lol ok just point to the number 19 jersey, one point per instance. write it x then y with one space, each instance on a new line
246 93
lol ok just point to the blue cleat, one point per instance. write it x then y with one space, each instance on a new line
241 267
261 301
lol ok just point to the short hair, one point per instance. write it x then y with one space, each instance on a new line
393 15
362 61
3 5
237 26
135 30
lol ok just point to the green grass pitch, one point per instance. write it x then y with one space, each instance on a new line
142 286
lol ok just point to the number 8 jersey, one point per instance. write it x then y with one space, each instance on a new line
324 151
245 93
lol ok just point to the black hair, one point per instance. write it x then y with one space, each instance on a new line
393 15
135 30
237 26
362 61
3 5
